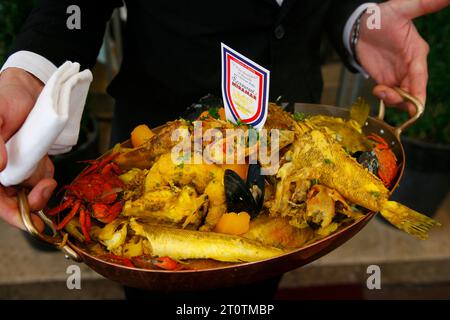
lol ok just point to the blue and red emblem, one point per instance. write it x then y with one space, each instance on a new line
248 79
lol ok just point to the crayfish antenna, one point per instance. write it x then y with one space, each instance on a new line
408 220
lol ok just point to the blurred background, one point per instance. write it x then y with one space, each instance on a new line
410 269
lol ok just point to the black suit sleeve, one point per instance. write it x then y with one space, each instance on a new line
45 31
338 13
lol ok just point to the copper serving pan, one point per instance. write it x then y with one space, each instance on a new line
230 275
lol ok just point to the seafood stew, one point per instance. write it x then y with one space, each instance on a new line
139 208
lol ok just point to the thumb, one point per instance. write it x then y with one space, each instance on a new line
411 9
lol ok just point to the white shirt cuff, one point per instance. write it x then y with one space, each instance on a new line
31 62
346 35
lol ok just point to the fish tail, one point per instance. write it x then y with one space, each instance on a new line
408 220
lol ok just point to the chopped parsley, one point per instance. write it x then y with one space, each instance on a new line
314 182
328 161
299 116
180 165
188 122
214 112
376 194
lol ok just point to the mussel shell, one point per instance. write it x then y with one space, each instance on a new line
237 195
244 196
368 160
205 103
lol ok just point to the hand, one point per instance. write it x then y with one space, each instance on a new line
18 93
396 55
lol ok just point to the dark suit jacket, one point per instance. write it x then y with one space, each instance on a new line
172 48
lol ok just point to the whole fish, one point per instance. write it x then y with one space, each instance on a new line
318 154
186 244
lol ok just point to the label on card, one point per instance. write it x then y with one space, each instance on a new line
245 89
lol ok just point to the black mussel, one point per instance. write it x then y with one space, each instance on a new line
313 225
244 196
368 160
208 102
339 217
238 195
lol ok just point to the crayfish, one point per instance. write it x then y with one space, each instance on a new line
387 162
94 191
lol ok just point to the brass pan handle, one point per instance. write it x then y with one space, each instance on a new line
420 108
55 240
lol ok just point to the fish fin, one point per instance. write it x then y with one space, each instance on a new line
359 111
408 220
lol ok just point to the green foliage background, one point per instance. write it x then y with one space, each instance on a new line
434 125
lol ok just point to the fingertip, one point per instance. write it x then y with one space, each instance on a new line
38 223
379 91
388 95
393 98
380 94
384 93
411 110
